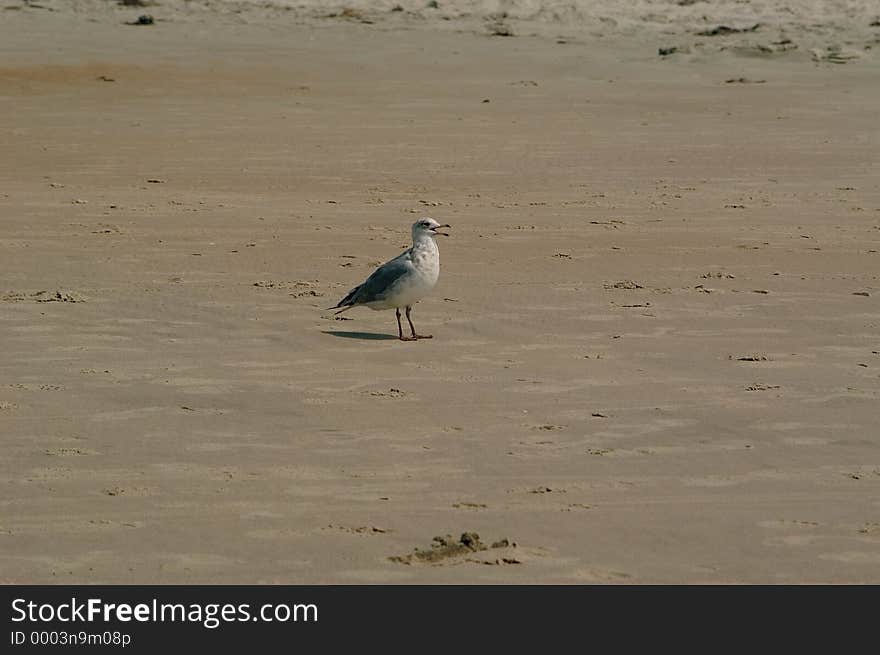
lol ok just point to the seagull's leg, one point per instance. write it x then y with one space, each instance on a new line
412 327
400 329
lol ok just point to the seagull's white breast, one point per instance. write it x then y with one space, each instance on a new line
424 261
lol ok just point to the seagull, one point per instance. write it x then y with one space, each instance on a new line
404 280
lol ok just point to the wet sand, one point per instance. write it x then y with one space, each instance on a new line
655 354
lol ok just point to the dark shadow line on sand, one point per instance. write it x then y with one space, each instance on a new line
368 336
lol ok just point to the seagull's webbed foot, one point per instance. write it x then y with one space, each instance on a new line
403 338
412 328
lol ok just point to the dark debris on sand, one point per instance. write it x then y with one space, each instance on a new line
144 19
446 547
743 80
724 30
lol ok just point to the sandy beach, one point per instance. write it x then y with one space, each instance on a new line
656 352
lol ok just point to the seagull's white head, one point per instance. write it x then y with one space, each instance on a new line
427 227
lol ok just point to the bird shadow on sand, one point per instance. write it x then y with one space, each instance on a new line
369 336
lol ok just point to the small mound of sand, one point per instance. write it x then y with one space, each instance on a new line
444 548
42 296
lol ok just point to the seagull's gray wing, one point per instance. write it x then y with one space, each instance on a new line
380 283
383 280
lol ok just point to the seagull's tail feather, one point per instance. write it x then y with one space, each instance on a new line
348 302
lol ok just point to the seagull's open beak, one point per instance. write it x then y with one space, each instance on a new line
441 233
